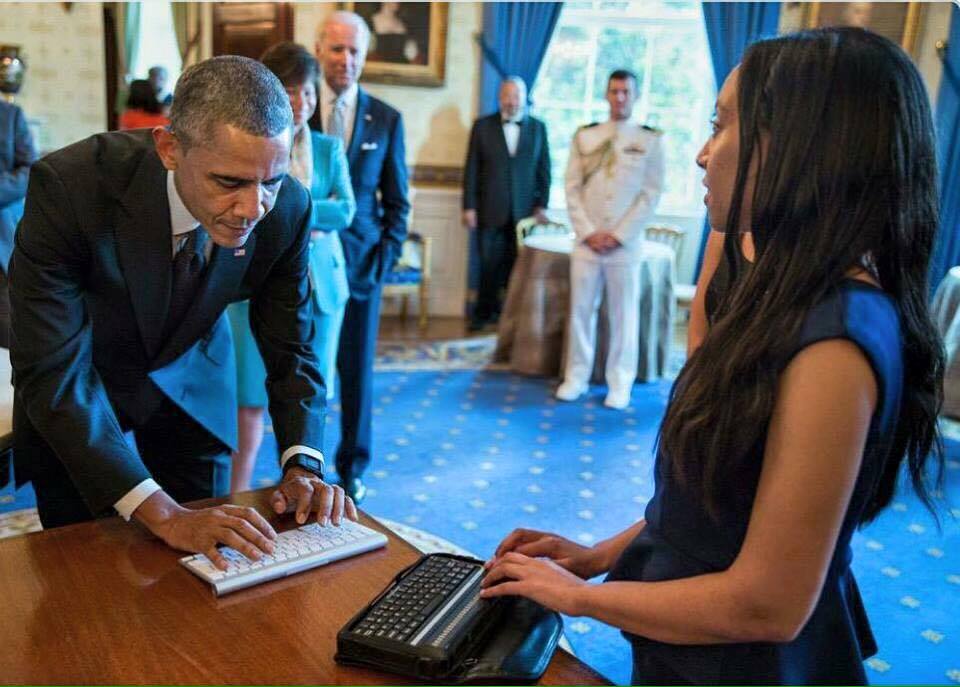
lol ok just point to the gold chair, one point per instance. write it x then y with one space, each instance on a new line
673 237
411 277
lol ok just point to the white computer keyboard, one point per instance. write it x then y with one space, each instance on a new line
294 551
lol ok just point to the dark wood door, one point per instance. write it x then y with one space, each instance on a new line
110 58
249 28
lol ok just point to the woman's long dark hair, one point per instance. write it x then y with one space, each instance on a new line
848 177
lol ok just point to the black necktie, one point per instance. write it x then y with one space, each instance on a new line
187 272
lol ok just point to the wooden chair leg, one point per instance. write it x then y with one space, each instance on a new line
424 303
403 308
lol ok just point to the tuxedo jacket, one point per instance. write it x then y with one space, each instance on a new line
90 287
503 189
378 173
17 153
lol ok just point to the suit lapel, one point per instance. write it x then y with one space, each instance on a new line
525 139
220 285
359 122
144 248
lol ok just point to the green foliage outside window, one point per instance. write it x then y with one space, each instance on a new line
665 44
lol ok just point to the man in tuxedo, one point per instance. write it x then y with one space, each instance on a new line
131 246
506 178
372 133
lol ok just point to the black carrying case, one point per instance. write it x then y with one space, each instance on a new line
515 647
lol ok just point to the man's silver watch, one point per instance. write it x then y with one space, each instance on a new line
304 462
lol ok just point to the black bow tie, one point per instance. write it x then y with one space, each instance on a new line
512 121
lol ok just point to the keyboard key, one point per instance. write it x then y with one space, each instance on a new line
294 550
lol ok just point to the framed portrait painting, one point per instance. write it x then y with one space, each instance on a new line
408 42
898 21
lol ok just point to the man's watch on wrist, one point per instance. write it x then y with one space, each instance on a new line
304 462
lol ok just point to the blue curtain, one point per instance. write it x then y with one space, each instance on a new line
731 27
947 251
514 40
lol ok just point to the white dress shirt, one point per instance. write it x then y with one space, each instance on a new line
182 222
349 97
511 133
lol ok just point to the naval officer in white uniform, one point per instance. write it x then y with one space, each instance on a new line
613 182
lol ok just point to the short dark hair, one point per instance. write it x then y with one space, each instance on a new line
233 90
142 97
292 63
622 75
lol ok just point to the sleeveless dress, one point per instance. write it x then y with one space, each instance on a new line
681 540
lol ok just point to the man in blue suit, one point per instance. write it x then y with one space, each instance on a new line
17 153
373 135
131 246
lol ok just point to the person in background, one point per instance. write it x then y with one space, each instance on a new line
131 246
143 109
318 162
821 376
506 177
372 133
613 182
158 76
17 154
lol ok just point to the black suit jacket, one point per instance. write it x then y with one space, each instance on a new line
504 190
378 173
90 286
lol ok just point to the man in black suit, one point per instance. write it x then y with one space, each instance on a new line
372 132
131 246
506 178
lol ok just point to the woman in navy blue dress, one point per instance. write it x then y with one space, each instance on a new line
819 377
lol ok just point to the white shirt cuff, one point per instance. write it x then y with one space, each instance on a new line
305 450
133 498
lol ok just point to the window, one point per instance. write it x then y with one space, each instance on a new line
158 42
665 44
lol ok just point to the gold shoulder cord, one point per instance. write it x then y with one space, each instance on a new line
601 156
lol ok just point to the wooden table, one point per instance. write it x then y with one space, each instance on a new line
105 603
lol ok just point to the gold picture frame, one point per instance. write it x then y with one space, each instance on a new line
408 42
898 21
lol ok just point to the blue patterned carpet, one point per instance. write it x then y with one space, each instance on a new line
467 455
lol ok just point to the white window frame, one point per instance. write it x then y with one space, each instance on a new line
640 15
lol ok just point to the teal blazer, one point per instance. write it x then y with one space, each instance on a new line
333 210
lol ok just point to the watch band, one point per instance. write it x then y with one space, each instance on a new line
304 462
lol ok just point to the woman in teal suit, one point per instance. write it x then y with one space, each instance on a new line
319 163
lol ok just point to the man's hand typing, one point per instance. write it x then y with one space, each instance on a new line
200 531
304 492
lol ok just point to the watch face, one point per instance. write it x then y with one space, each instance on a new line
307 463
